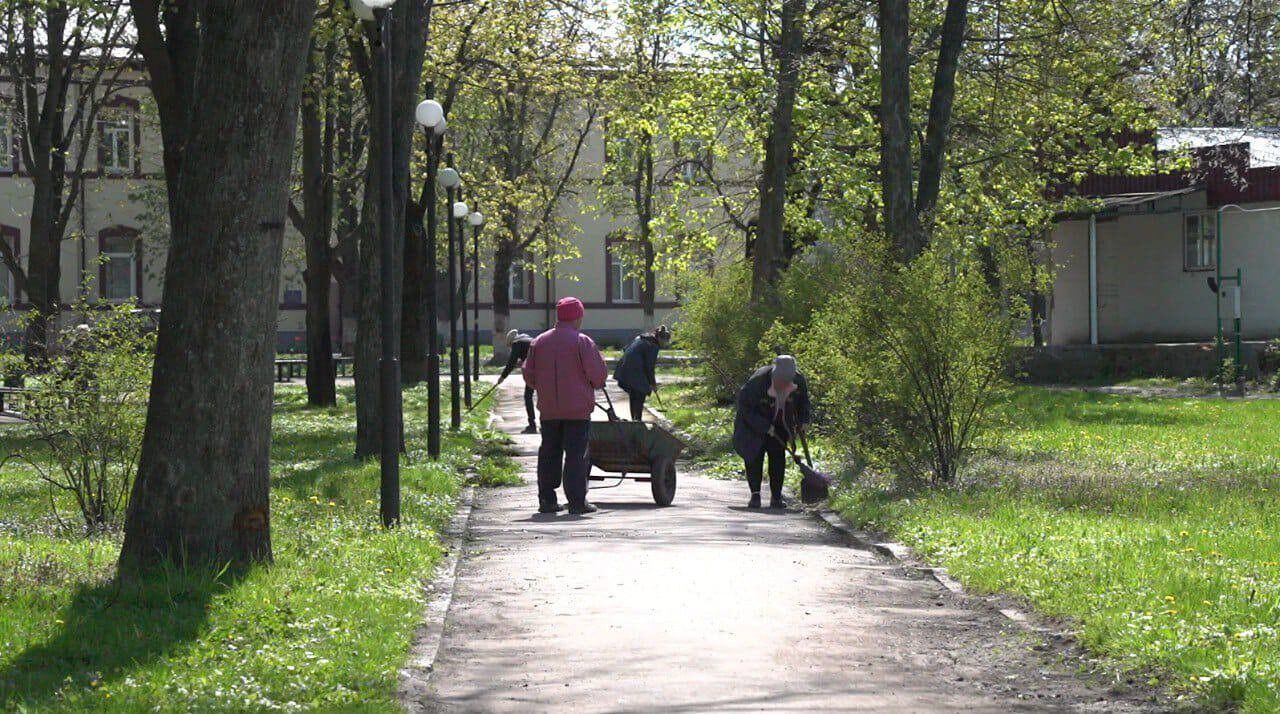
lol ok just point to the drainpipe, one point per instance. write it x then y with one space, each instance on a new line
1093 279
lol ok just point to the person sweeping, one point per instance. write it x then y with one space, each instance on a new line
635 372
519 344
773 406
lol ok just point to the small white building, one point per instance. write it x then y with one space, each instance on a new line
1139 268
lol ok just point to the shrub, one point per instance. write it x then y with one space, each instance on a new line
907 368
719 322
88 411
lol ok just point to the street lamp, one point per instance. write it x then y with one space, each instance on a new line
389 365
450 179
476 219
460 212
430 116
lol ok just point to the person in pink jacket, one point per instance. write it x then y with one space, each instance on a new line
565 368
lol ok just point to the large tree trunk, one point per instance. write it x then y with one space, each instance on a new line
44 272
317 200
408 45
202 490
768 255
895 129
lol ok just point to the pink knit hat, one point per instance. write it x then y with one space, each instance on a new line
569 309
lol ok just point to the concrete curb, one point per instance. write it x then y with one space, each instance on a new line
907 558
415 675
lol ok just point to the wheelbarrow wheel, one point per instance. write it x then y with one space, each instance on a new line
663 481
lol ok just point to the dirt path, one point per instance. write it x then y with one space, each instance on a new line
706 606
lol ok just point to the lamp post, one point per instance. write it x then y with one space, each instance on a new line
460 213
389 364
450 180
430 116
476 219
456 253
462 283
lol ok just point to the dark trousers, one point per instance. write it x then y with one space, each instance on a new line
528 406
637 405
777 454
563 457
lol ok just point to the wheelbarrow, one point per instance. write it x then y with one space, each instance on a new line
636 450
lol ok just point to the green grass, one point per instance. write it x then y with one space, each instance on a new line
324 627
1151 523
706 428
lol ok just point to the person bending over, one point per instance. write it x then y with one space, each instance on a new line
519 344
635 371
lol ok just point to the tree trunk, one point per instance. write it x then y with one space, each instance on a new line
419 284
895 129
44 272
317 201
767 257
202 490
938 130
408 33
502 261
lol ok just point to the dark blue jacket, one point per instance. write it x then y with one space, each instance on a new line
519 352
635 371
755 412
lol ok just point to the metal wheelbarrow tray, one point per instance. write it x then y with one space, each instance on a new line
641 448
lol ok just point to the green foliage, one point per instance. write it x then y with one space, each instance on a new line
1150 522
326 627
86 413
719 322
907 367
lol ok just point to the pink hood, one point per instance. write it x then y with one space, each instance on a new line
565 368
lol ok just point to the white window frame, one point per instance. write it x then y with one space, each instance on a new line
115 127
6 137
518 283
1203 254
111 256
620 279
10 290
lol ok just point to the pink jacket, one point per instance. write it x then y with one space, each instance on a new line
565 368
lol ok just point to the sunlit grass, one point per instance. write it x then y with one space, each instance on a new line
326 626
1151 522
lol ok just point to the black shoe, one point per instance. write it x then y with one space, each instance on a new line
550 508
582 510
777 502
754 502
531 429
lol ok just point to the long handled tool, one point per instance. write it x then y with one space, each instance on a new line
613 416
492 389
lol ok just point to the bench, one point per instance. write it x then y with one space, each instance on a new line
288 370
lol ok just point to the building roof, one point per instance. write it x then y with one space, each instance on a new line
1263 141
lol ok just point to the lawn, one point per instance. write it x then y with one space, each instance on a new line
326 626
1151 523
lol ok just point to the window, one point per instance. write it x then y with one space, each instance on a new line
623 285
1199 241
694 159
119 278
619 155
520 282
116 147
8 283
6 138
